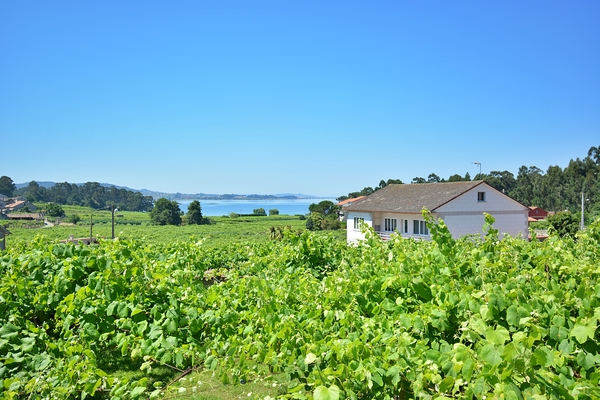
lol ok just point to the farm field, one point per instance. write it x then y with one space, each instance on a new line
304 317
137 225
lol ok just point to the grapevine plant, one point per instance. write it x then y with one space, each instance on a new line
470 318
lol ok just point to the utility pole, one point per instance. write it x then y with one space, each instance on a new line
582 223
113 220
91 224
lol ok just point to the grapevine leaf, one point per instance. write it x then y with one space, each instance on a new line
543 356
9 331
512 315
110 310
138 391
310 358
499 335
582 332
467 369
326 393
490 355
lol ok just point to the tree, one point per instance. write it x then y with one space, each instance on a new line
594 154
54 210
528 186
74 219
324 208
434 178
418 179
330 224
7 186
502 181
273 211
166 212
367 191
313 223
455 178
565 224
259 211
35 192
194 213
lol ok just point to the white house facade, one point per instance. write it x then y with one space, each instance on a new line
461 205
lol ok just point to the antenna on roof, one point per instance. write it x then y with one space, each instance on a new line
478 163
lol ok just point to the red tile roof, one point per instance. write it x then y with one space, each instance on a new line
350 201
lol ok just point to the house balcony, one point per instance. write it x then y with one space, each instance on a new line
384 235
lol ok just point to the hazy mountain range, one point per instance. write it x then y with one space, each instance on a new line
186 196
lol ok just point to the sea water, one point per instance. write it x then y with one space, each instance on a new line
212 208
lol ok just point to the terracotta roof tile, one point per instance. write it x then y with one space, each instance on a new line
350 201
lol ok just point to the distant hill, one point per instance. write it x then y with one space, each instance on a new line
43 184
185 196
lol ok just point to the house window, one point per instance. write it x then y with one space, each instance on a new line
390 224
480 196
420 228
405 226
358 222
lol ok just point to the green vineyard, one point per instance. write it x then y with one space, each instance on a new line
470 318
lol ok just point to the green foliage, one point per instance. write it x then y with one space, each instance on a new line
90 194
194 213
448 318
259 211
541 224
564 224
273 211
74 219
313 222
323 216
221 230
166 212
7 186
324 208
330 223
54 210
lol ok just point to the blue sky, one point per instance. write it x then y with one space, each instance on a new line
319 98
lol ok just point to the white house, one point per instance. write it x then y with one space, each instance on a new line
397 208
347 203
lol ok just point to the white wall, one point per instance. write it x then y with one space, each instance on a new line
353 235
464 215
377 219
466 224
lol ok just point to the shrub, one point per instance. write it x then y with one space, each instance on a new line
330 224
313 223
74 219
54 210
565 224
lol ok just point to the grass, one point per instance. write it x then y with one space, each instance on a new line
197 385
137 225
205 385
